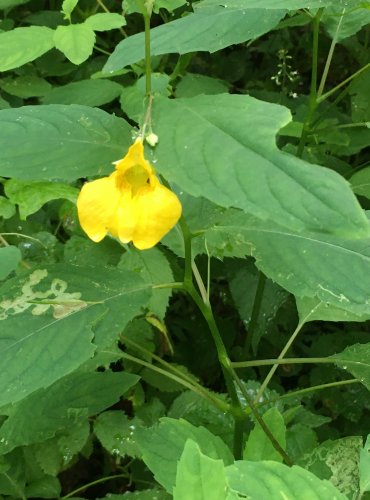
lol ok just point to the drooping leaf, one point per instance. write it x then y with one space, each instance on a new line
257 480
162 446
22 45
76 41
258 446
60 142
61 305
84 92
356 360
198 476
346 18
329 268
207 30
224 148
39 416
105 21
10 256
31 196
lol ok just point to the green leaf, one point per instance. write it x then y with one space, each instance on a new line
344 20
140 495
117 433
162 446
211 30
60 142
84 92
331 269
7 209
192 84
46 411
313 309
199 477
105 21
224 148
360 103
271 4
22 45
25 86
258 446
62 306
10 257
154 269
5 4
360 182
365 466
356 360
337 461
31 196
76 41
68 7
271 480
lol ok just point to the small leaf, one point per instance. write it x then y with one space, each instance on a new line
31 196
22 45
84 92
68 6
76 41
10 257
26 86
258 446
198 476
355 359
105 21
360 182
365 466
7 209
117 433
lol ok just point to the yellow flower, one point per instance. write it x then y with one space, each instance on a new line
131 204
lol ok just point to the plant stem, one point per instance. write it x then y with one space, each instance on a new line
148 66
280 358
313 87
330 57
340 85
315 388
255 311
188 275
280 361
93 483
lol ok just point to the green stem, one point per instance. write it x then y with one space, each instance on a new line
280 358
255 311
148 65
315 388
344 82
330 56
93 483
280 361
313 86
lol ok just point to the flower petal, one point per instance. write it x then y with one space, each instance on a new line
156 212
134 157
97 206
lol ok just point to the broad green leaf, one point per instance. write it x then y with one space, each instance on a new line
162 446
337 461
60 142
270 4
25 86
54 454
84 92
258 446
76 41
61 306
10 257
105 21
198 476
211 30
356 360
192 84
365 466
31 196
45 487
360 182
346 19
224 148
300 440
68 7
22 45
7 209
154 269
271 480
117 433
39 416
157 494
329 268
313 309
